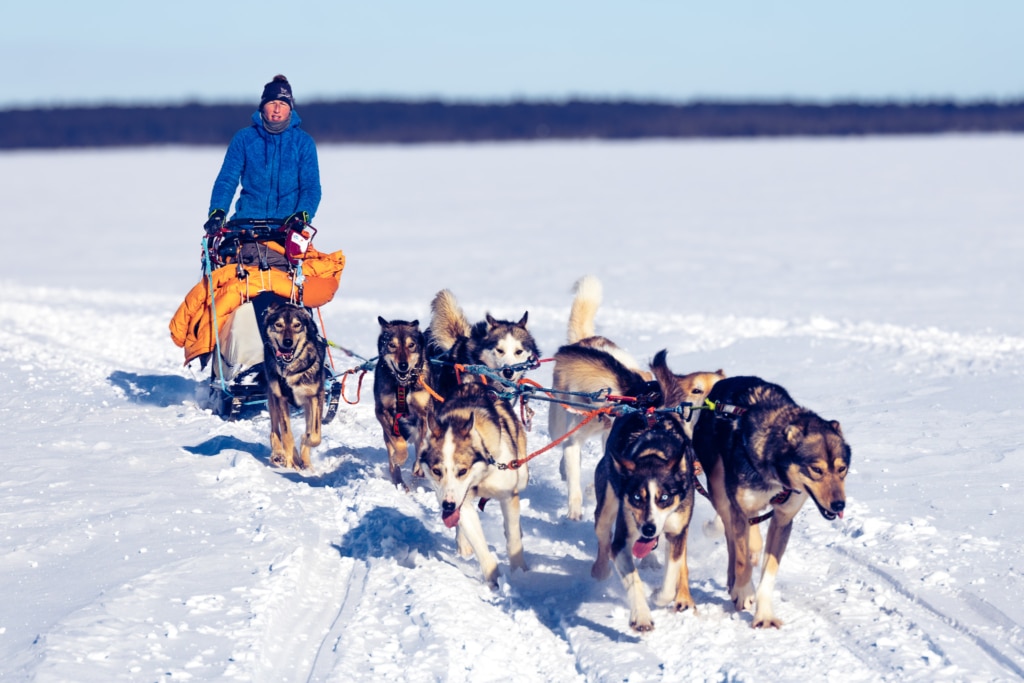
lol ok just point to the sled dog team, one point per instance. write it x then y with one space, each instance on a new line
756 446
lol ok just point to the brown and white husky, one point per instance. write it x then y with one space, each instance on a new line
473 440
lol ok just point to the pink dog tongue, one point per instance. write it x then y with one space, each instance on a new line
643 547
452 519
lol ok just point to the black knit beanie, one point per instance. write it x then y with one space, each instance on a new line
277 89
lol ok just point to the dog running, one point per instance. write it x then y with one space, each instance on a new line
590 364
472 440
400 395
644 486
759 449
294 368
503 346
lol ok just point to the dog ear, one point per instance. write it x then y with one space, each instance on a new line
522 321
624 465
794 435
415 323
382 321
491 320
432 426
835 426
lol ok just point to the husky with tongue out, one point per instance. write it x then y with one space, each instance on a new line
472 441
644 486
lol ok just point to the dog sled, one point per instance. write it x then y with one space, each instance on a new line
249 265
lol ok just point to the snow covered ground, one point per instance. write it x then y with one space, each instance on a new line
879 280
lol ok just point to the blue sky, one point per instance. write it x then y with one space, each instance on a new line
109 51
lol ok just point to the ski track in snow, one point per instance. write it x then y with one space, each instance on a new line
341 577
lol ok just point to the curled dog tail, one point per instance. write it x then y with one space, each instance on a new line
447 323
584 308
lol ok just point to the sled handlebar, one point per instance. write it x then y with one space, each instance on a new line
253 229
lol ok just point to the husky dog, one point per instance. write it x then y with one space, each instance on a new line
400 396
758 449
294 367
471 441
589 364
504 346
644 485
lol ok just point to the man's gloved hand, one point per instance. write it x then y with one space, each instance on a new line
215 222
296 222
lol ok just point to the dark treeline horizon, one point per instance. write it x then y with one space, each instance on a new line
424 121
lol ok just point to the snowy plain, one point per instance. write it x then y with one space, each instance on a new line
878 279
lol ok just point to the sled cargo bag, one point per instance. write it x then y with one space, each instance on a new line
191 326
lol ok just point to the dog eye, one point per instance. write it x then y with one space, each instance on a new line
664 498
636 497
436 471
817 471
462 472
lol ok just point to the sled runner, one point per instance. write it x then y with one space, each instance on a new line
249 265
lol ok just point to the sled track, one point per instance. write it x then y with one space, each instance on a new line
978 605
324 663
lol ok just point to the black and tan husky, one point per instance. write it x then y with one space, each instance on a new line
472 440
588 365
294 367
644 486
504 346
400 396
761 449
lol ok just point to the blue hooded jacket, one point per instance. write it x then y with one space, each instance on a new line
280 174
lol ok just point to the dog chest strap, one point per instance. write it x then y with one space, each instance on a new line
779 498
401 408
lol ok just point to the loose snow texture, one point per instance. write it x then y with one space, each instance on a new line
877 279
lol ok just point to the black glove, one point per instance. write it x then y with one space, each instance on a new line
297 221
215 222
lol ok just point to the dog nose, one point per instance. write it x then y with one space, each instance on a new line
287 342
648 530
403 366
447 507
508 373
838 505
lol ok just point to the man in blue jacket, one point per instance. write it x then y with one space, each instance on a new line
276 163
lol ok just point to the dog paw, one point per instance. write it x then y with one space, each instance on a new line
641 623
519 564
682 606
674 601
743 598
278 460
766 621
575 512
714 528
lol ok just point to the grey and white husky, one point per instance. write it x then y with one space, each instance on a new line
504 346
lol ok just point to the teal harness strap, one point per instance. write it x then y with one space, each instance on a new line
213 310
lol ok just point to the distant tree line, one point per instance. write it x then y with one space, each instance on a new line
435 121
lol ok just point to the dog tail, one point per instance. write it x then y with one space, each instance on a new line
584 308
447 323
